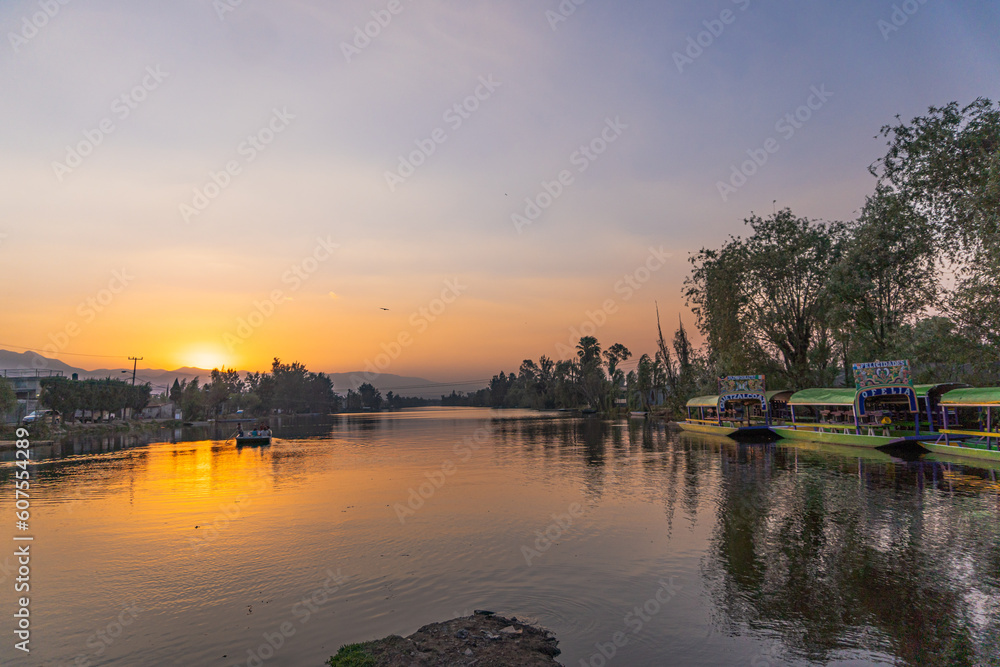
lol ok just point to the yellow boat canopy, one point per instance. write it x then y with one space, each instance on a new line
704 402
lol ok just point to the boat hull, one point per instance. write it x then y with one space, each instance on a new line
709 429
965 451
250 440
870 441
742 433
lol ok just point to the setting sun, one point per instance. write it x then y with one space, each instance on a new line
204 356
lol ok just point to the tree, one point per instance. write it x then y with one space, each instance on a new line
353 401
591 374
193 401
762 302
714 293
946 164
8 397
613 356
371 397
177 392
886 275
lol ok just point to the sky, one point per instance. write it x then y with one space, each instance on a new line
439 188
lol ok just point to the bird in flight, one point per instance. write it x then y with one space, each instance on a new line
380 308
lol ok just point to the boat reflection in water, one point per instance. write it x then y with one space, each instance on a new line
899 560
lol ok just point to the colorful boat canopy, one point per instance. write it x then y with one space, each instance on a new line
882 374
703 402
742 389
880 379
981 396
822 396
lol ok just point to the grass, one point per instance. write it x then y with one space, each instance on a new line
352 655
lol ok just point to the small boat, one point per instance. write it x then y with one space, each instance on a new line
970 406
750 404
252 440
637 414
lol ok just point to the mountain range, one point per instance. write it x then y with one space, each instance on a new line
161 379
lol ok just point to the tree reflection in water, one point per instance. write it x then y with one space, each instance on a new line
857 551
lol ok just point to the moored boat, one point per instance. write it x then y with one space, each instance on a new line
741 410
249 440
970 424
858 416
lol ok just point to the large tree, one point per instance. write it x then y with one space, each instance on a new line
947 165
763 301
591 373
885 278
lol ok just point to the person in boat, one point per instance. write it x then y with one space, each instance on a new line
239 430
253 433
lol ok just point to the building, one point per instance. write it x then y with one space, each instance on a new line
27 385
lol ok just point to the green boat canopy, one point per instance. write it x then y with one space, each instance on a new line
704 402
823 397
973 396
771 394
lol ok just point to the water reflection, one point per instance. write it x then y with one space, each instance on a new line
796 553
840 553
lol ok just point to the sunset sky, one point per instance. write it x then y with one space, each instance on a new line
205 183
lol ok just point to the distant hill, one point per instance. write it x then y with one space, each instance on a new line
162 379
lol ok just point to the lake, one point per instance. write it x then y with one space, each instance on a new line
683 549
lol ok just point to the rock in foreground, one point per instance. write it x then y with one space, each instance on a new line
483 640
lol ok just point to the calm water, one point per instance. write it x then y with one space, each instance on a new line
697 550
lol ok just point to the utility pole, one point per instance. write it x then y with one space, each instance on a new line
135 361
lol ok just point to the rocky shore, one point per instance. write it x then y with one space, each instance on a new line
483 639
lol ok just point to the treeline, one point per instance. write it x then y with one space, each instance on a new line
290 388
595 379
67 396
801 300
